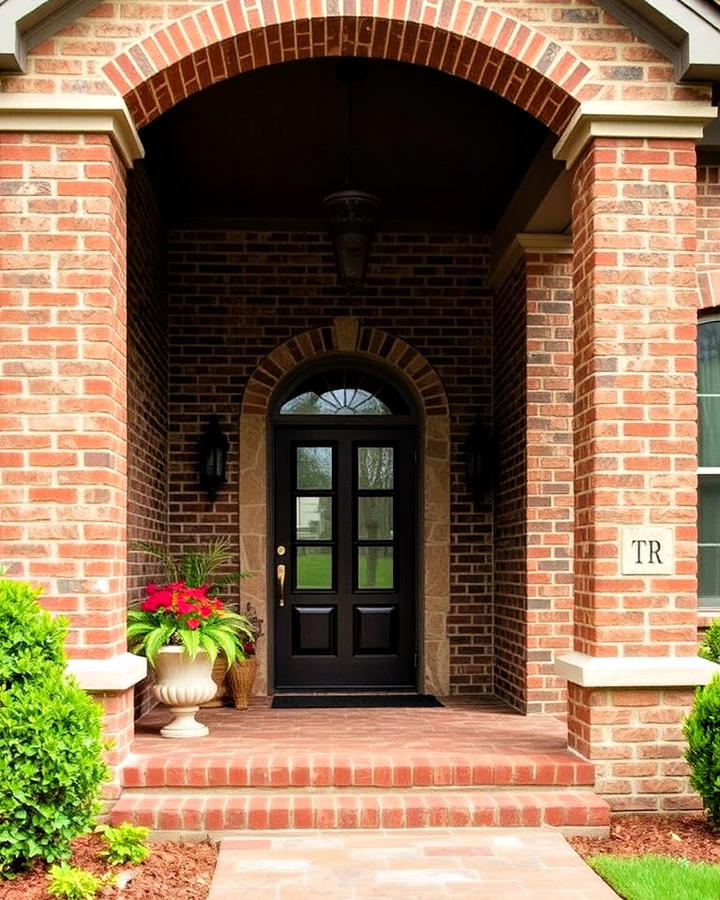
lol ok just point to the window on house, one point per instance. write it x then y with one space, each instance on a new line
709 462
343 392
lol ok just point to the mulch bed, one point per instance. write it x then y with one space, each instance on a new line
688 837
173 870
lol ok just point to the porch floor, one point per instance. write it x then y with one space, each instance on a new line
461 726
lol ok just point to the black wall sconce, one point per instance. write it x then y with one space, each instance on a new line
479 461
213 449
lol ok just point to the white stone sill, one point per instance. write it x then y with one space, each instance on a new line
635 671
115 674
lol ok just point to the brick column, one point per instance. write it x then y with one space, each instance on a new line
534 496
635 298
549 478
63 404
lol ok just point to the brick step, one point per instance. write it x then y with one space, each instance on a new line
399 770
276 810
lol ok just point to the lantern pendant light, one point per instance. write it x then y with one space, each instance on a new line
351 212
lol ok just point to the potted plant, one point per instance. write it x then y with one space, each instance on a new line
242 672
181 627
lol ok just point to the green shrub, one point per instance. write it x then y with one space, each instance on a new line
51 764
702 732
126 843
30 639
710 647
75 884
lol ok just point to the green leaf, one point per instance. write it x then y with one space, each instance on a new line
191 642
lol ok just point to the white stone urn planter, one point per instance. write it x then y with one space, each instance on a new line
182 684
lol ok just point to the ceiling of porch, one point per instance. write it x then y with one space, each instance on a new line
268 145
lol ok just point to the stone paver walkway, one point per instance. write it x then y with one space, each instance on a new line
522 864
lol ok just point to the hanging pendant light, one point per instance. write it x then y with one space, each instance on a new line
351 217
351 212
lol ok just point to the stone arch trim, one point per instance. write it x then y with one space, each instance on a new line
345 336
481 45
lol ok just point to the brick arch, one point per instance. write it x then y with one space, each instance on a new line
479 44
709 287
346 336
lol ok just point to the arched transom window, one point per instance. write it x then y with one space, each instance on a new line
343 392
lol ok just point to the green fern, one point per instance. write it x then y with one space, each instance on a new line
196 567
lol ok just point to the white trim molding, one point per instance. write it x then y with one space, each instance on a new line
671 119
635 671
524 243
119 673
77 114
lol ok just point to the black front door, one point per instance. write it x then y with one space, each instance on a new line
345 532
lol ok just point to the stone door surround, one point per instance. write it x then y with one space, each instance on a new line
346 335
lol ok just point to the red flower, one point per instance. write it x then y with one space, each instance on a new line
219 604
205 611
192 624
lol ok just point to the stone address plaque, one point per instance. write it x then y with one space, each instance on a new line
647 551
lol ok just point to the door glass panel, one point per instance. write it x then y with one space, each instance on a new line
314 568
375 518
314 468
375 568
375 468
314 518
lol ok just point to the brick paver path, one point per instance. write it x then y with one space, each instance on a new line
512 864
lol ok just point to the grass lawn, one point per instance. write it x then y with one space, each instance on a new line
315 571
658 877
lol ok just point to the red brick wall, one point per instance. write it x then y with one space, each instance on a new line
510 498
147 390
708 234
634 738
62 359
234 296
634 219
550 498
147 379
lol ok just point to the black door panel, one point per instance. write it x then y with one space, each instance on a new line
345 512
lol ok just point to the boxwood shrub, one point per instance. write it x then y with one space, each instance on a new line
51 766
702 731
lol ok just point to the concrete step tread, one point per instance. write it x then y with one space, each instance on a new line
262 810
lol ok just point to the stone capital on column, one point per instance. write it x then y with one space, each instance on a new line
524 243
73 114
670 120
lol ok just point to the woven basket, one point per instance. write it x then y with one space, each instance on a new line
219 672
241 677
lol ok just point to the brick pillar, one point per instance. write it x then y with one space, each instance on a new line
533 534
63 403
635 298
549 477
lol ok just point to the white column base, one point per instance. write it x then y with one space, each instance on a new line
118 673
635 671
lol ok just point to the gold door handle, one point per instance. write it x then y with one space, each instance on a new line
281 583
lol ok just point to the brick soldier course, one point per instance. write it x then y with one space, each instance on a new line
117 338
